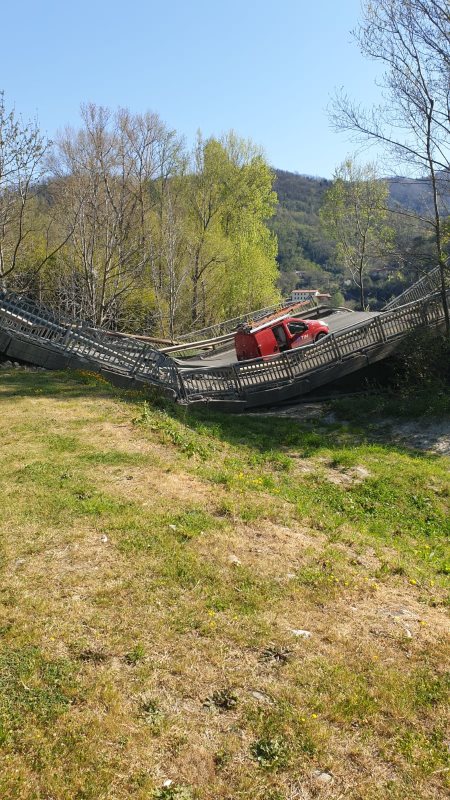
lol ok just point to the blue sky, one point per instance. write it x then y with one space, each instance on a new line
265 69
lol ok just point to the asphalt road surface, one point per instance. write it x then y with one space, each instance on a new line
337 321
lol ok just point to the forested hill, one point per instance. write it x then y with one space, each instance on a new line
302 191
297 225
306 256
416 194
305 192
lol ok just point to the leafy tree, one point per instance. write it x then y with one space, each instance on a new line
232 253
354 214
337 299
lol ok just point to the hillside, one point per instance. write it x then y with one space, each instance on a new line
209 607
306 256
302 246
416 195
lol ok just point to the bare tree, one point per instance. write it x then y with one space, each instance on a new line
354 214
158 163
22 166
170 266
108 171
411 39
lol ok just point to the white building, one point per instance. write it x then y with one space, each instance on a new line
301 295
298 295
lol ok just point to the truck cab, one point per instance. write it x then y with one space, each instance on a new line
277 336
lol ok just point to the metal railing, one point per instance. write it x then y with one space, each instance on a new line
240 380
422 288
30 323
230 325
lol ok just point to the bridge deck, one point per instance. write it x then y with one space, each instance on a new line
33 334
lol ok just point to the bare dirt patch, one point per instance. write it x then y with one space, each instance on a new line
350 476
432 436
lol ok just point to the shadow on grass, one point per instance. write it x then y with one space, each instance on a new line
268 433
67 384
259 432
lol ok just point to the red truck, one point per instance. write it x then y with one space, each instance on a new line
276 336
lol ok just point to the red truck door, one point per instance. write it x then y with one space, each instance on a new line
299 333
268 342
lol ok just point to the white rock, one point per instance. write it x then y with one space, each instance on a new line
232 559
262 698
173 527
322 777
303 634
103 538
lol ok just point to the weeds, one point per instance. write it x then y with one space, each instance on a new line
270 753
173 792
135 655
94 655
223 699
172 431
32 688
277 654
152 715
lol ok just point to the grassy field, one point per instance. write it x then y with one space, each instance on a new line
202 606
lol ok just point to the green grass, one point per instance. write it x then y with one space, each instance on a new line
33 690
155 563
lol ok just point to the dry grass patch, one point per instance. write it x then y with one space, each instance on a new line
159 578
156 479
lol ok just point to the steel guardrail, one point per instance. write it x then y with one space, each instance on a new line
239 380
33 323
30 322
420 289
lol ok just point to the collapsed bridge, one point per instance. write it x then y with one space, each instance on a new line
33 334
